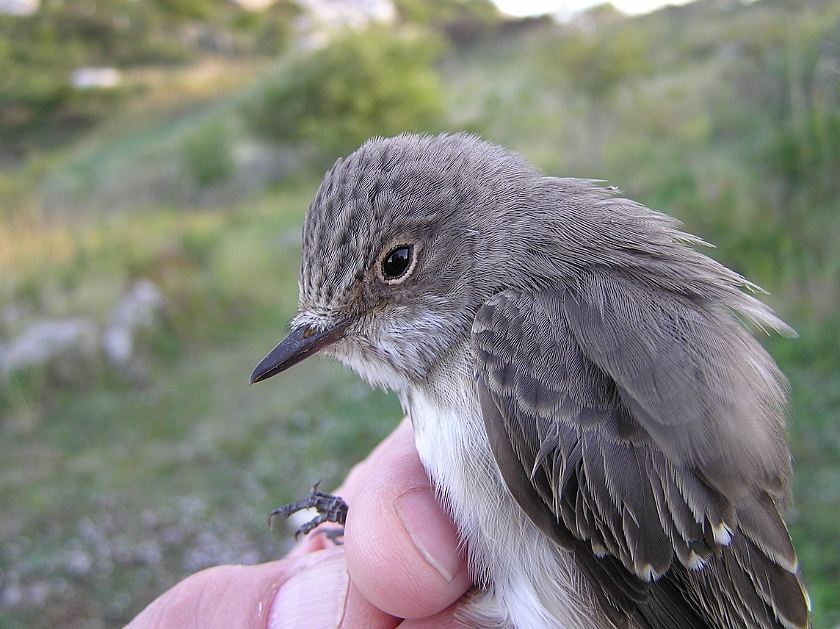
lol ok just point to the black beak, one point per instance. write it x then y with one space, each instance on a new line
301 343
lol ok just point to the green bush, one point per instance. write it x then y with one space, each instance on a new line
447 12
208 154
807 154
370 83
596 62
463 21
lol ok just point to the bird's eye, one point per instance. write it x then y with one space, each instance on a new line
396 262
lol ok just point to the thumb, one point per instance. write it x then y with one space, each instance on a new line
311 590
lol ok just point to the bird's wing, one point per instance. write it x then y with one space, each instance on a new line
616 418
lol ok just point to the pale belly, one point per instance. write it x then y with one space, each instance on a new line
530 582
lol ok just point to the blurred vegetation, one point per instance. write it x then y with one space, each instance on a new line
462 20
362 85
196 173
208 153
38 106
596 61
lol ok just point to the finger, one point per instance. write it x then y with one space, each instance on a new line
402 549
323 597
359 613
311 591
224 596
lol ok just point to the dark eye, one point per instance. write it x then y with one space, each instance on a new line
396 261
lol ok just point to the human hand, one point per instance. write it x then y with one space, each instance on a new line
400 560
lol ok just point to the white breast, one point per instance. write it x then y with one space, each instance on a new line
531 583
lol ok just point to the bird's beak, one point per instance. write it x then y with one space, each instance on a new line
301 343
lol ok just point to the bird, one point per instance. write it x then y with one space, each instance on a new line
585 387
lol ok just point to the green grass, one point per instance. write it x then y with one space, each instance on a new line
123 492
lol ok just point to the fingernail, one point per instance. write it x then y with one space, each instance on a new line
430 529
313 597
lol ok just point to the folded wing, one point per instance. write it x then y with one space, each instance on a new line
644 432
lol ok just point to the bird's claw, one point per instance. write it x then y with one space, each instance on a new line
330 508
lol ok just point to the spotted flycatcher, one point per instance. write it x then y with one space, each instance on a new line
607 436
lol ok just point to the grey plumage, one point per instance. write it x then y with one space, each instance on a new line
581 385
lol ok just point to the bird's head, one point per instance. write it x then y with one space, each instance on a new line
395 259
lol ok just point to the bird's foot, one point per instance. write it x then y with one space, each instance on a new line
330 509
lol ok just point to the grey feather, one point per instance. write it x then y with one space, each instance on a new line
639 498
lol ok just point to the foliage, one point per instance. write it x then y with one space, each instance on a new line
443 12
805 154
804 149
463 21
208 153
38 53
596 61
365 84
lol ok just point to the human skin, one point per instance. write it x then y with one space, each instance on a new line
400 565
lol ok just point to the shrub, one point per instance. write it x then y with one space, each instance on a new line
596 62
365 84
208 154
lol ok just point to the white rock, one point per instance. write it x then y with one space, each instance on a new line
48 342
19 7
139 310
89 78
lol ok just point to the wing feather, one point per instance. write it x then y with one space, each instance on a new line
617 425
